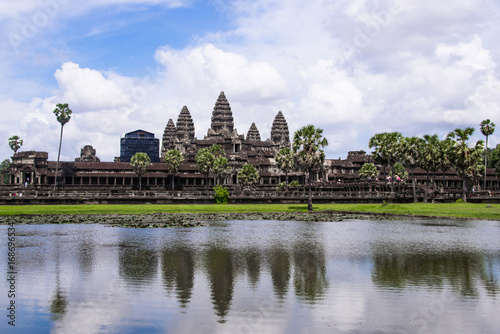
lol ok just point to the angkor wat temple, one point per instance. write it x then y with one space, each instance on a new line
35 170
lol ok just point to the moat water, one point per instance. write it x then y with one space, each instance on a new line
354 276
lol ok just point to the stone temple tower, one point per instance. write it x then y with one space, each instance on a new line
279 131
184 129
168 136
222 119
253 133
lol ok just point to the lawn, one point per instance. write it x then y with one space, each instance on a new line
463 210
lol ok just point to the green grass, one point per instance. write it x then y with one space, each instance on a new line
463 210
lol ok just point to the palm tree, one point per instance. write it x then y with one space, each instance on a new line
285 161
15 143
368 171
307 146
430 159
220 163
487 129
140 162
173 159
411 154
464 158
205 160
63 115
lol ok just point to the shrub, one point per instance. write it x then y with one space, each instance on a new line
280 186
460 200
221 194
384 203
294 183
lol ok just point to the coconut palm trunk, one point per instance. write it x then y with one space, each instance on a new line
58 157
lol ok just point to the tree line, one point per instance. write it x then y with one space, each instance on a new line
455 151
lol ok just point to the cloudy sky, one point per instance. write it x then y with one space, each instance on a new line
353 68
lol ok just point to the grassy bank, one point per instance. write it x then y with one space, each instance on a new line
462 210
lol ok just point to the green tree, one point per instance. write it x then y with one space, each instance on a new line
63 115
445 163
220 163
308 144
400 171
465 159
386 150
368 171
15 143
140 161
430 159
411 155
205 160
285 161
377 144
487 129
4 167
173 159
248 175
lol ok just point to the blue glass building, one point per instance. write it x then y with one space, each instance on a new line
139 141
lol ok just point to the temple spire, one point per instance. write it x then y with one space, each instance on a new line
253 133
185 126
222 116
168 136
279 131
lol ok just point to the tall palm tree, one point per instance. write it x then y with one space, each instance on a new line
173 159
411 155
464 157
487 129
308 143
63 114
140 161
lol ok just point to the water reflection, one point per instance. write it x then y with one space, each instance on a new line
177 265
465 272
255 276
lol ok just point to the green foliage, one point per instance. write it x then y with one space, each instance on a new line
294 183
15 143
285 159
384 204
280 186
248 175
400 171
205 160
63 113
140 162
5 166
460 200
221 194
173 159
368 171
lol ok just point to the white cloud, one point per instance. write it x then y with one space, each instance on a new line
89 90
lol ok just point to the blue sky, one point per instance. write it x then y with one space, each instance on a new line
353 68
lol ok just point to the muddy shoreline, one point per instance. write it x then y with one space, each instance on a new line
161 220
